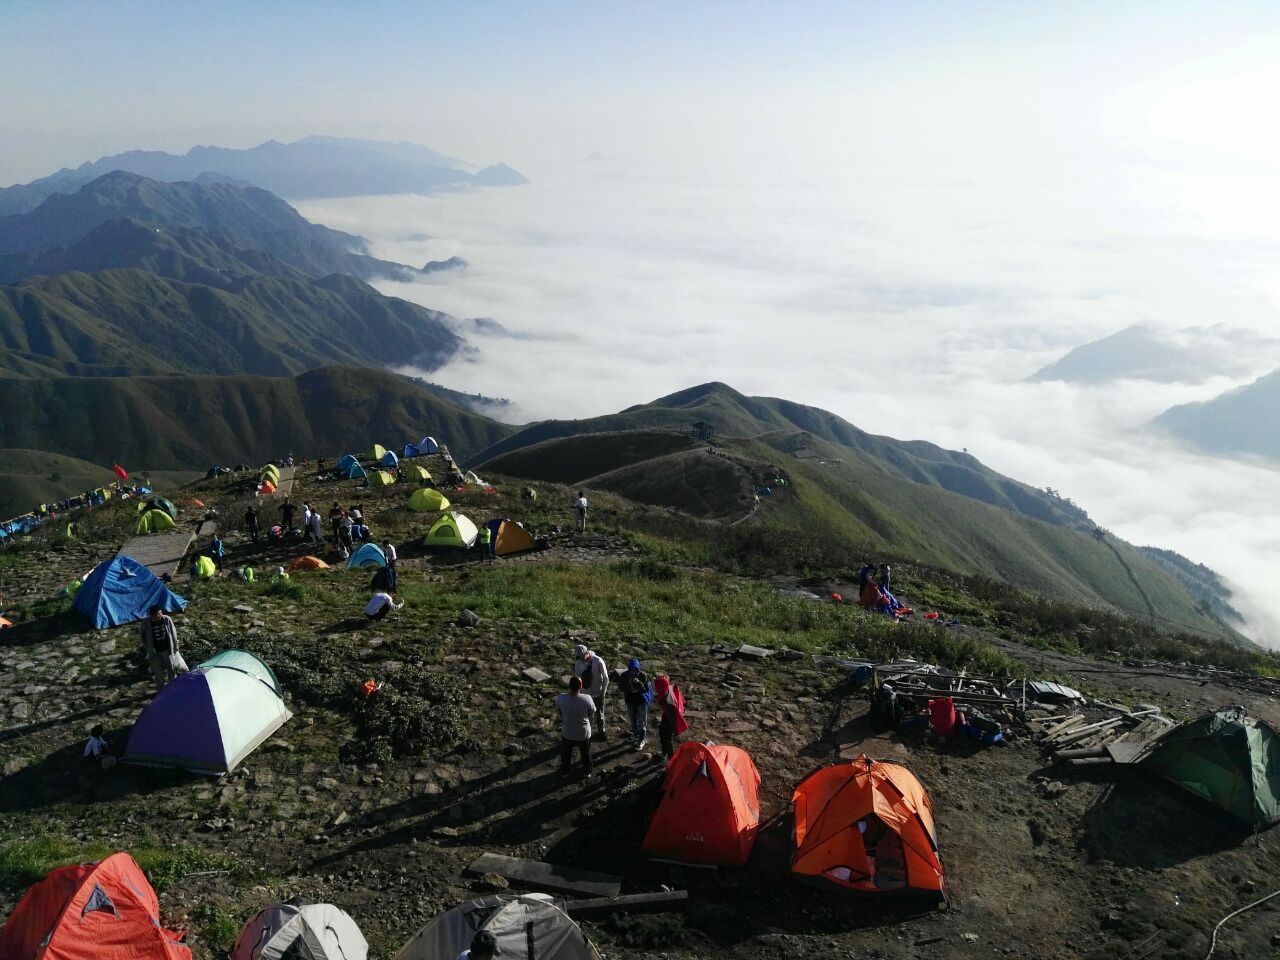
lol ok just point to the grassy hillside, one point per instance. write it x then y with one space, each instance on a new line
189 422
732 414
31 477
133 321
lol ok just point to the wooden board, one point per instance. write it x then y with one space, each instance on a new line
1125 752
546 876
632 903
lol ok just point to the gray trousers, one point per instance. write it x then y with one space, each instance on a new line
599 717
165 667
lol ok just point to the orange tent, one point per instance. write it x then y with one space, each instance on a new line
90 911
267 487
510 538
5 623
307 563
710 807
865 826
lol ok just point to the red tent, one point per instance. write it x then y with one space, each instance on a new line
90 911
710 807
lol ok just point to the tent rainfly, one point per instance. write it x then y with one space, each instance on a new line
409 452
710 809
209 720
121 590
301 930
527 927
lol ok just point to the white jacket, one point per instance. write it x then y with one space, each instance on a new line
598 682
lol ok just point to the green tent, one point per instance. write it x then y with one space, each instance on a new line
159 503
415 472
271 472
380 478
153 521
377 453
425 500
1228 758
452 530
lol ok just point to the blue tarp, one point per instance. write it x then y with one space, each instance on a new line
369 555
121 590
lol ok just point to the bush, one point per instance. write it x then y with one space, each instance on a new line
414 712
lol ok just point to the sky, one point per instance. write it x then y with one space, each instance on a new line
897 211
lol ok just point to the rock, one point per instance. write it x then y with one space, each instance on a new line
444 833
754 653
492 882
468 618
790 656
13 766
1053 788
534 674
327 783
969 937
340 819
21 711
242 608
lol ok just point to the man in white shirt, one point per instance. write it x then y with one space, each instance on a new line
590 668
576 710
380 604
580 507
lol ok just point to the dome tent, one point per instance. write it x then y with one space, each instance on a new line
389 459
159 503
415 472
866 826
354 472
300 930
509 537
345 462
710 809
154 521
91 911
1227 758
369 555
377 452
526 927
209 720
381 478
410 451
452 530
428 445
307 563
427 500
121 590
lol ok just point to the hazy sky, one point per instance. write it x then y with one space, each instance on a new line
895 210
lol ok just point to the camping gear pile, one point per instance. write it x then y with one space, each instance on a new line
951 703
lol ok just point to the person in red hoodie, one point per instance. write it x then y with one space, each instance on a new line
671 702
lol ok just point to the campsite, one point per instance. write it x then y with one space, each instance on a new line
269 772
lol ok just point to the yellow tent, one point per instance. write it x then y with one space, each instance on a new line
153 521
415 472
271 472
425 499
378 452
380 478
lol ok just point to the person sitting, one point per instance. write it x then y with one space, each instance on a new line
96 746
380 604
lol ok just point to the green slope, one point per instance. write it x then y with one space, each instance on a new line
133 321
193 422
31 477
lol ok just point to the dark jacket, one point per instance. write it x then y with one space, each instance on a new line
633 686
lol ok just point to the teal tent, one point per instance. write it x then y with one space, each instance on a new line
369 555
1228 758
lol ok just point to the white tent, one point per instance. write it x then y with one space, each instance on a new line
472 477
301 931
527 927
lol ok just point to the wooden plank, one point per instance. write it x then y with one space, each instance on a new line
1057 728
631 903
1126 752
546 876
1080 733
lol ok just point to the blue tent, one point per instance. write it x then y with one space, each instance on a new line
429 445
121 590
389 459
353 471
344 464
369 555
410 451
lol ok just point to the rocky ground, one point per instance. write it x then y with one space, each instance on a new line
1084 868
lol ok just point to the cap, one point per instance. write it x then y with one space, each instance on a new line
633 662
579 650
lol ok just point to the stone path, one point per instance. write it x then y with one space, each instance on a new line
160 552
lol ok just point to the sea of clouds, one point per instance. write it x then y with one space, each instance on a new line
911 305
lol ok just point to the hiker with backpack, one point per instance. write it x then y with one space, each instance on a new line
589 667
580 507
637 693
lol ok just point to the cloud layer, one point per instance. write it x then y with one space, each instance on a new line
911 306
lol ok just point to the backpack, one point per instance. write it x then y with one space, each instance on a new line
648 693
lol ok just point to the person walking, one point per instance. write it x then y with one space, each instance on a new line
589 667
637 693
251 522
159 638
576 710
580 507
344 532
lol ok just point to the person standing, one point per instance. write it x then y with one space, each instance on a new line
251 522
335 520
286 516
217 551
344 532
580 507
484 540
317 529
590 668
306 516
576 710
159 639
672 723
637 694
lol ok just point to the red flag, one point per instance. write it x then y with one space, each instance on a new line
120 472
